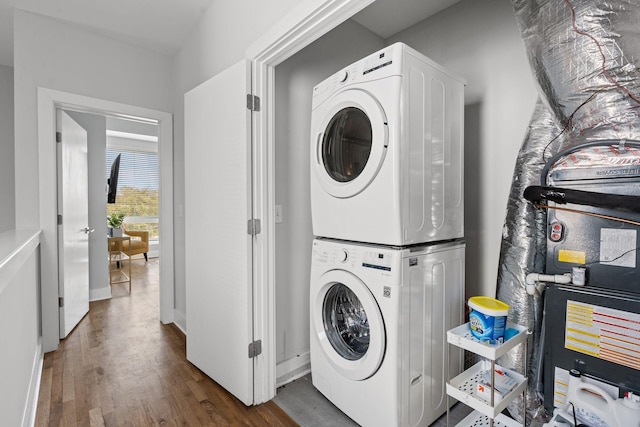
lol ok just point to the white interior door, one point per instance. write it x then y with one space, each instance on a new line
218 249
73 230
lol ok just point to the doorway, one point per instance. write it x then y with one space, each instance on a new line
48 101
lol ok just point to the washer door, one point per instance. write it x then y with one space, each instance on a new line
349 325
350 143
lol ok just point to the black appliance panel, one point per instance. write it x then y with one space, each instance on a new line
593 239
556 353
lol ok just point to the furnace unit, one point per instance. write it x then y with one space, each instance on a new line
593 233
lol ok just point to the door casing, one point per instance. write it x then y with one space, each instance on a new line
48 101
305 24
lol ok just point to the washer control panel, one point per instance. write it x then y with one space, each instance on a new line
353 256
377 260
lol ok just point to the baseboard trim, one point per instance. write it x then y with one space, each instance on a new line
100 293
180 320
292 369
31 405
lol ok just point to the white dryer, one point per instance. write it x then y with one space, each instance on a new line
387 151
378 323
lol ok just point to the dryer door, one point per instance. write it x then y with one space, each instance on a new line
350 143
349 325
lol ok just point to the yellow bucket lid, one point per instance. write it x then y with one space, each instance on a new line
489 306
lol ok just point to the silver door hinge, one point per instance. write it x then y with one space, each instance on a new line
58 136
253 102
255 349
59 219
60 302
254 227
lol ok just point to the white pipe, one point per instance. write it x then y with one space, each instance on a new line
535 281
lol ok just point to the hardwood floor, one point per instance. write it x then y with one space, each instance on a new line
121 367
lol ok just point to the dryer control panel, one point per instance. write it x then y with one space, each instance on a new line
384 63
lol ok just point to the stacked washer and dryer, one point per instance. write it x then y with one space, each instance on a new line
387 268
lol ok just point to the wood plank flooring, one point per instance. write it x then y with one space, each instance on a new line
121 367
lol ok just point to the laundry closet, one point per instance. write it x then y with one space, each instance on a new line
384 150
295 79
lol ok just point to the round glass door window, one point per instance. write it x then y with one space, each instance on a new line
346 145
345 322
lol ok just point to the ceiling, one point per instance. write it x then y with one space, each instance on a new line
164 25
158 25
389 17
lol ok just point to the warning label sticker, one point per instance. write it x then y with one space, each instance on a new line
576 257
605 333
618 247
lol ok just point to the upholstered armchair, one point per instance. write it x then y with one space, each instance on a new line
139 243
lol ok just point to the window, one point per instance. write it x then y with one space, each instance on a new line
137 194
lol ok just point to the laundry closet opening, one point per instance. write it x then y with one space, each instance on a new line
294 82
356 126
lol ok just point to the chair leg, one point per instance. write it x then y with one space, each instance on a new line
145 257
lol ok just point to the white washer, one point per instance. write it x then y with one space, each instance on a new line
378 323
387 151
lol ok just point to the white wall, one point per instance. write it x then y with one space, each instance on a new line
295 79
220 39
96 127
59 56
480 41
7 198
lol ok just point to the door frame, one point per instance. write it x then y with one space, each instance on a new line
48 101
305 24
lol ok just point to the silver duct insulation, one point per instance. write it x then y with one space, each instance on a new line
523 250
584 56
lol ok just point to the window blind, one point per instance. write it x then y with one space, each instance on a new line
137 193
137 169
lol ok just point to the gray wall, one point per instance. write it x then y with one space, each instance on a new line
479 40
7 198
295 79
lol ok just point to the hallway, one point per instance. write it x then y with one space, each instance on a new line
121 367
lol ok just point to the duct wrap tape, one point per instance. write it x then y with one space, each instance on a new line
585 57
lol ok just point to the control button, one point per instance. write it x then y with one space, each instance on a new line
556 231
343 76
343 256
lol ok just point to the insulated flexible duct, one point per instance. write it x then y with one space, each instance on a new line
523 250
584 56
